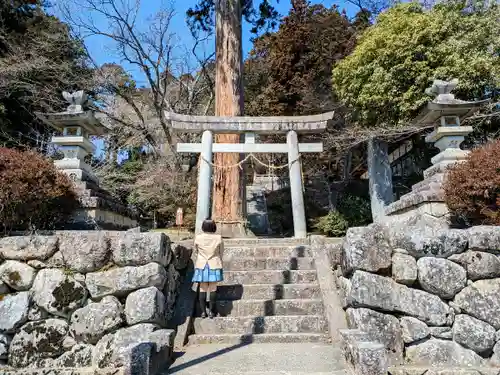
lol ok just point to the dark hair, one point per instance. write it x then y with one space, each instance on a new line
209 226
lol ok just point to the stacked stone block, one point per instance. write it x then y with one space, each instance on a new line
429 294
84 300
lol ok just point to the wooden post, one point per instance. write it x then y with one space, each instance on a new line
228 102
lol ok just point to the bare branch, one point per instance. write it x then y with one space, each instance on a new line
153 50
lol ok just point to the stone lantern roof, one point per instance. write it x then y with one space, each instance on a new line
74 115
445 104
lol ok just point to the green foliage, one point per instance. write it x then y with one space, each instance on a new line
333 224
288 71
263 16
38 60
396 59
352 211
356 210
120 179
33 193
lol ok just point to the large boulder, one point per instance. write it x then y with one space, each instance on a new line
478 264
495 358
474 334
383 293
14 311
171 291
55 261
90 323
442 353
344 288
28 248
4 345
413 329
37 313
484 238
481 300
138 249
36 341
444 333
404 269
4 288
107 351
381 328
79 356
427 236
441 276
182 252
145 306
19 276
366 248
122 281
57 292
85 251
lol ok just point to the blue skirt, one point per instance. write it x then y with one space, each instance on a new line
206 275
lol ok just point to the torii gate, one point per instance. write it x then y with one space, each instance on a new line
250 126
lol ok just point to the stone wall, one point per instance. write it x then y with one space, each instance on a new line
84 300
422 295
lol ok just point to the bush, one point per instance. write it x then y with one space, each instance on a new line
332 224
472 188
356 210
33 193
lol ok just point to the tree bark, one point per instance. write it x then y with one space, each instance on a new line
228 102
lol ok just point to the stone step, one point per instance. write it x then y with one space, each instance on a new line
266 241
273 358
270 307
266 252
243 264
268 292
269 277
262 338
261 324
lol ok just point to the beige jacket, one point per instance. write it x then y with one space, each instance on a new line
210 249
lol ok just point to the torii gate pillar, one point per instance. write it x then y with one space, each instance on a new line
204 180
296 186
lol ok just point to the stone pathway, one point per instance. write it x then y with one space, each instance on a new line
272 318
257 359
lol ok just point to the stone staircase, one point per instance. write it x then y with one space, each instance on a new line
270 295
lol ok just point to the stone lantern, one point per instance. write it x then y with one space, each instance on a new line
446 114
75 126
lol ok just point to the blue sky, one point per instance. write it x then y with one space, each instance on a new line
102 51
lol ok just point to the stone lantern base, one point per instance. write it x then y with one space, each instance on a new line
98 209
427 196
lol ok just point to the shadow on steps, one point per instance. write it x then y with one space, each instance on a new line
244 341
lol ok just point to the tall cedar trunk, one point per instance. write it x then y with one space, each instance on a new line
228 102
